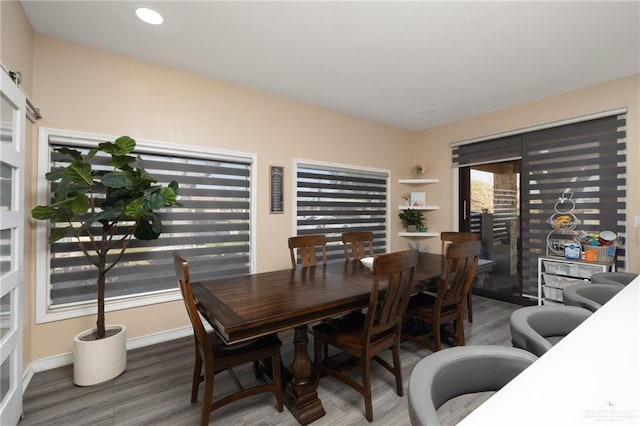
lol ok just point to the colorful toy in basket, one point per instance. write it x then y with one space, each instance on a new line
603 244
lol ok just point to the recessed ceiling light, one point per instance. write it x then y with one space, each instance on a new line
149 16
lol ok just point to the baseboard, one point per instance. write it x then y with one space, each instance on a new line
61 360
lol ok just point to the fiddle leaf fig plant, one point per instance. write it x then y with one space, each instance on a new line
103 209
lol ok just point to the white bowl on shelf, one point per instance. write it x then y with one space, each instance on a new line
367 261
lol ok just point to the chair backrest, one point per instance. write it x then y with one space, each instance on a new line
307 246
458 371
448 237
530 326
182 273
623 278
384 315
357 240
460 270
590 296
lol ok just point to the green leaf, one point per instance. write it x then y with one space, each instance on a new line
73 153
121 146
156 201
44 212
78 203
55 174
169 196
135 209
144 231
59 233
118 161
79 173
117 180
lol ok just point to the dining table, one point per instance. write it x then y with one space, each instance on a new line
245 307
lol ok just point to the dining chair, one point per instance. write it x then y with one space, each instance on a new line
448 237
590 296
307 245
452 372
448 304
216 356
357 240
532 326
365 336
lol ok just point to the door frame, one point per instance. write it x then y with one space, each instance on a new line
11 344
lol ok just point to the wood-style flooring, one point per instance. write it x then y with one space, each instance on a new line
155 388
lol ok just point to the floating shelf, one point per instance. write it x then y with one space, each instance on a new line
419 207
419 234
418 181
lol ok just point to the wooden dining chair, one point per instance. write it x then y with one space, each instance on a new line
361 243
365 336
216 356
448 237
307 245
449 303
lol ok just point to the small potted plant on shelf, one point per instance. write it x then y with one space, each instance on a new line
412 219
102 210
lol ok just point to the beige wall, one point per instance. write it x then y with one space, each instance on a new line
625 92
16 54
84 89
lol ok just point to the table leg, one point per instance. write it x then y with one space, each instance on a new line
300 395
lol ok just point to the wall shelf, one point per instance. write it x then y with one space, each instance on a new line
419 207
418 181
419 234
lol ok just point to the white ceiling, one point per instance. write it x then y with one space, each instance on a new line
412 65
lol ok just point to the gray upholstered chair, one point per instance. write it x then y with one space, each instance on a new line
461 370
623 278
590 296
532 325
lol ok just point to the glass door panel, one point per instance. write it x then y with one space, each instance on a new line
491 195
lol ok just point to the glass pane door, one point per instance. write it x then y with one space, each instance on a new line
12 125
491 195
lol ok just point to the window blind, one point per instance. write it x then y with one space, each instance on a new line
331 201
211 230
587 159
491 151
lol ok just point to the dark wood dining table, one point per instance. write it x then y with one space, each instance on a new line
248 306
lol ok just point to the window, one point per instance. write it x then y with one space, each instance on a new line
211 229
334 199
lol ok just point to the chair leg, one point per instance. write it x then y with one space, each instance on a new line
460 329
397 369
366 388
277 379
469 307
317 357
437 339
208 397
197 371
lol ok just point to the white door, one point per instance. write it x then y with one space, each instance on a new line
12 159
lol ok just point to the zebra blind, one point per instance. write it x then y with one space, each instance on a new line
587 159
331 201
211 230
491 151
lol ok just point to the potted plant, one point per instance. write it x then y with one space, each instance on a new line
412 219
102 210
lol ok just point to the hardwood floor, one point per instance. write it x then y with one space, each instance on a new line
155 388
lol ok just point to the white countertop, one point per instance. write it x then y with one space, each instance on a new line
592 376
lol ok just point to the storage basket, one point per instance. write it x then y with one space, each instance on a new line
603 253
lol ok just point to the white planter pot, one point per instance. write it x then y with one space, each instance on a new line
96 361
